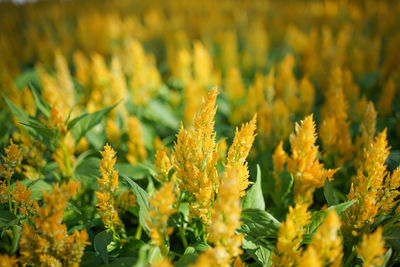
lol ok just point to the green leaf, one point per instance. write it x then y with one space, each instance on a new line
30 76
88 170
158 112
40 103
7 218
101 241
257 250
136 172
81 125
189 257
142 199
330 194
74 208
201 246
18 112
123 261
259 223
318 217
254 197
391 235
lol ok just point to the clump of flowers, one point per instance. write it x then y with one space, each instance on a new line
290 236
161 207
372 249
303 163
107 189
47 242
196 158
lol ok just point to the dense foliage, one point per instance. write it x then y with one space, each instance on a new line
200 133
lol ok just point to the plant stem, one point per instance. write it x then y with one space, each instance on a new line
139 232
183 236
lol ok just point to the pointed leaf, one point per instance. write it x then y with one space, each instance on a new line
254 197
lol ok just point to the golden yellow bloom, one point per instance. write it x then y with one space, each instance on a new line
113 132
216 256
384 105
125 201
389 192
303 162
82 68
161 207
47 241
234 87
202 64
286 84
372 249
107 189
7 261
22 197
196 158
239 150
193 92
367 130
4 190
11 161
327 241
306 95
136 150
279 158
290 236
309 258
163 165
225 215
334 130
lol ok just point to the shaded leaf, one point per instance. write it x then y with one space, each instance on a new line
254 196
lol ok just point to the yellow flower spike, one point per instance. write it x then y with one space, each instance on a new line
160 209
234 87
279 158
7 261
309 258
47 241
327 241
202 64
334 130
22 197
4 190
225 215
113 132
163 165
136 149
373 187
11 160
290 236
240 149
193 92
125 201
303 163
372 249
216 256
384 105
107 189
367 132
196 158
306 95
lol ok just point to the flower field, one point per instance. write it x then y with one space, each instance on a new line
200 133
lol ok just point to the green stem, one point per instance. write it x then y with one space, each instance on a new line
139 232
14 242
183 236
10 207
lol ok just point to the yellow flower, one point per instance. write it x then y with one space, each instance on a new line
47 241
310 258
303 162
367 129
385 101
239 150
11 161
107 189
136 149
196 158
328 242
279 158
216 256
225 215
160 209
163 165
372 249
22 197
306 95
7 261
290 236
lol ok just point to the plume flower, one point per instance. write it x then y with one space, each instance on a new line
11 161
225 215
107 189
372 249
22 197
216 256
303 162
290 236
384 105
239 150
136 149
328 242
310 258
163 165
161 207
47 242
196 158
6 261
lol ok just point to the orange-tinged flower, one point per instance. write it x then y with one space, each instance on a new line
372 249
